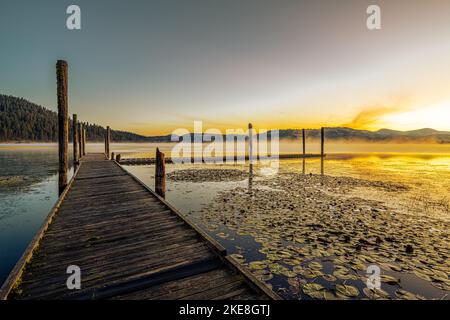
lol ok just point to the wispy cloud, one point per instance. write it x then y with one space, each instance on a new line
371 117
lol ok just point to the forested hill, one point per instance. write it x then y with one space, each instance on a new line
24 121
21 120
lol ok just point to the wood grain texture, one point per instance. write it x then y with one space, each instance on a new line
129 244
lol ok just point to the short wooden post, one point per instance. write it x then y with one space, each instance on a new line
75 139
112 156
80 140
322 148
63 123
118 158
160 174
108 140
304 142
250 156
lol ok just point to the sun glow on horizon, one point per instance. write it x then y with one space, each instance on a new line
436 116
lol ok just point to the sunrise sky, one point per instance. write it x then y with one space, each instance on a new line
154 66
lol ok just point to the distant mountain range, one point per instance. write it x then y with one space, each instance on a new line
21 120
383 135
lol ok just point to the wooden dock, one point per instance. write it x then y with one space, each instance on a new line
129 244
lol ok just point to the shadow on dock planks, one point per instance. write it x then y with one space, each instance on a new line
129 244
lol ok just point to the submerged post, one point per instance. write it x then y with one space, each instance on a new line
75 139
250 156
160 174
63 123
322 154
108 140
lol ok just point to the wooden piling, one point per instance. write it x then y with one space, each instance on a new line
304 142
63 123
108 140
112 156
322 149
118 158
80 140
160 174
250 153
250 156
304 150
84 140
75 139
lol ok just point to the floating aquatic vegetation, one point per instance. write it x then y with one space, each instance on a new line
376 294
313 290
207 175
310 228
389 280
347 290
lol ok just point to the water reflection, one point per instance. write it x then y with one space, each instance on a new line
28 188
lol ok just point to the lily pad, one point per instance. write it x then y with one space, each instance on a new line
347 290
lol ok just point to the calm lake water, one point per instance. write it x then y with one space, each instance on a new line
28 186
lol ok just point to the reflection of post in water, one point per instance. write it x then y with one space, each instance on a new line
250 156
322 141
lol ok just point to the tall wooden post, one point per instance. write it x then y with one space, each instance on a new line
84 140
80 140
250 156
63 123
322 154
108 140
304 150
160 174
75 139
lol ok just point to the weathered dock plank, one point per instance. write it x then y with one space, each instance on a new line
129 244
